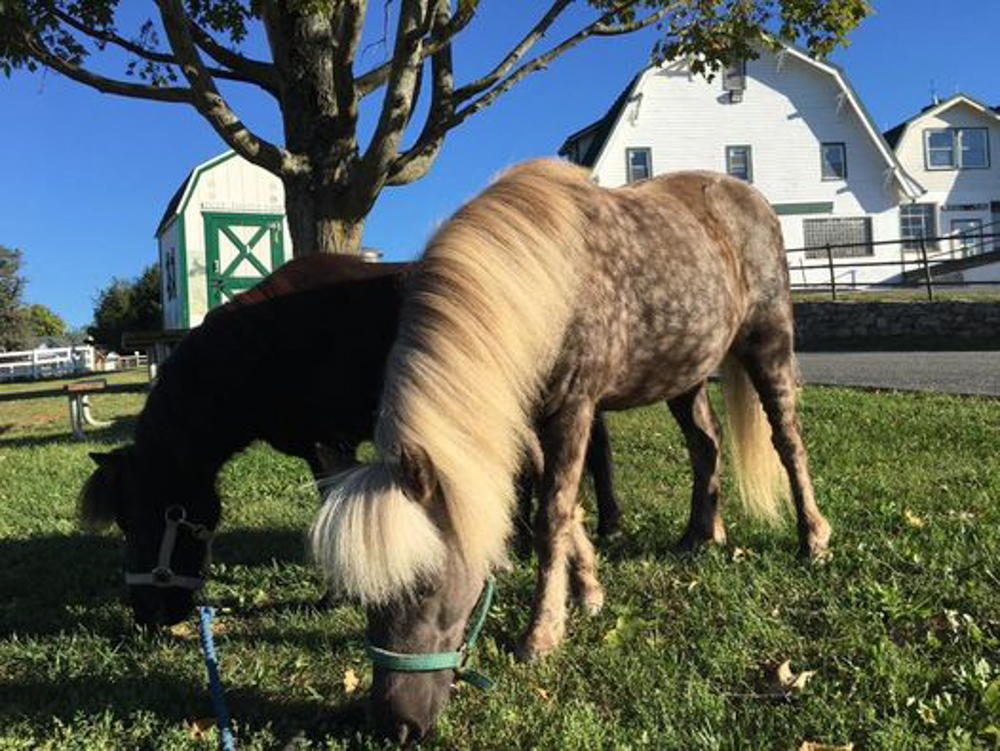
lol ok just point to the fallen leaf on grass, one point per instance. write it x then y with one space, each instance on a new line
199 727
351 681
544 694
741 554
183 630
188 630
789 681
912 519
814 746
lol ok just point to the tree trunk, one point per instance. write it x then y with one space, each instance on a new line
322 221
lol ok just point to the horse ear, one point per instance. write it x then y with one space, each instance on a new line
98 504
416 474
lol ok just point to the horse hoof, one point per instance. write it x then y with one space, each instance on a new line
816 543
592 601
691 542
536 644
609 526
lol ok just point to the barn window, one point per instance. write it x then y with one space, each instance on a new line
851 236
917 220
739 162
956 148
639 164
734 80
833 159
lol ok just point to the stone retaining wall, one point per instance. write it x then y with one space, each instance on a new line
850 325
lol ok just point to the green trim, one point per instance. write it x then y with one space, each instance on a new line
222 282
820 207
182 272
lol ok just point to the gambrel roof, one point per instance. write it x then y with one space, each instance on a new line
178 201
894 136
603 128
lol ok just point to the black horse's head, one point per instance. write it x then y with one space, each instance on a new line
167 519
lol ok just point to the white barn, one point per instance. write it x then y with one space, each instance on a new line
787 123
223 230
953 149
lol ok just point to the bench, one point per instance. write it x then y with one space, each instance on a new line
78 394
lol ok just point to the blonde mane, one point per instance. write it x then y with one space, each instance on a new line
482 323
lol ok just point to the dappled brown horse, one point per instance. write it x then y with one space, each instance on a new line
548 295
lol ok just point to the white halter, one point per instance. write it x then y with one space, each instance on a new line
163 576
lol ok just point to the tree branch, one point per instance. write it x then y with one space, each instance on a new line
254 71
213 106
376 77
44 55
413 25
596 28
536 33
350 22
108 37
415 163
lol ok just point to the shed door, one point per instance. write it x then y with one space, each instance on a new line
241 249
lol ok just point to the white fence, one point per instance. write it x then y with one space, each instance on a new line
46 363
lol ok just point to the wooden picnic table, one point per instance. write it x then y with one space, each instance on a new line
78 394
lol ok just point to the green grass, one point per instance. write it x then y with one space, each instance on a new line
901 624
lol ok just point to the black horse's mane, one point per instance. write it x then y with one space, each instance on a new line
253 368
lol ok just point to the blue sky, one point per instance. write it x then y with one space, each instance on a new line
86 176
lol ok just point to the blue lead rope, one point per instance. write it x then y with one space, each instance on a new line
205 615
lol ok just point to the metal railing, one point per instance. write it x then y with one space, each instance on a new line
902 263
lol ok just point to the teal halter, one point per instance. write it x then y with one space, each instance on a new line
457 661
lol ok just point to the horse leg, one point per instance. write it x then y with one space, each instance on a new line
770 365
558 531
693 412
587 590
528 479
599 463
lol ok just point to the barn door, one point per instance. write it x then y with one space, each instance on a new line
241 249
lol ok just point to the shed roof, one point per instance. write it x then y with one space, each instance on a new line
178 201
602 127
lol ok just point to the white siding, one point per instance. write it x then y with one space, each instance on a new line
789 108
959 194
169 248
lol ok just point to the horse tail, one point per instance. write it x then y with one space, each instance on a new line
760 476
482 322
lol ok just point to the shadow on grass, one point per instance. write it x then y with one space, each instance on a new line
53 582
174 701
120 430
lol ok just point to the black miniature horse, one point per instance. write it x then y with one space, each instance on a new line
296 361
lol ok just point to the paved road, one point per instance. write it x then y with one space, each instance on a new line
945 372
